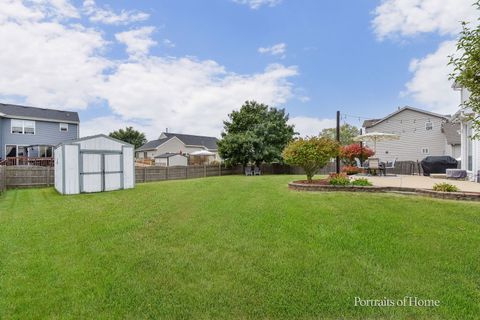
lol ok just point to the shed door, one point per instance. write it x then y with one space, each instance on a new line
100 171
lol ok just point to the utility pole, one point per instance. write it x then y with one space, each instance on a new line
361 149
338 140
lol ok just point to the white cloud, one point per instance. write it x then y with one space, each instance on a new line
109 124
108 16
255 4
168 43
430 85
138 41
54 62
309 126
275 50
48 63
188 95
411 17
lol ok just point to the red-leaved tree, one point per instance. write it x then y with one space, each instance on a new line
352 151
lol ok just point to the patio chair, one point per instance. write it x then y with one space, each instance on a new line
359 165
374 166
257 171
248 171
389 165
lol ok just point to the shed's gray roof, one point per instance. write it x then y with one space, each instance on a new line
189 140
452 133
17 111
168 155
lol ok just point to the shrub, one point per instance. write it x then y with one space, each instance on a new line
340 179
311 154
352 151
349 170
445 187
362 182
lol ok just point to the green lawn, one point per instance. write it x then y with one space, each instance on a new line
235 247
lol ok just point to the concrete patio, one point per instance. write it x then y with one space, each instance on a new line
421 182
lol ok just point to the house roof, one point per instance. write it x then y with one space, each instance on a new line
192 140
168 155
17 111
188 139
374 122
452 132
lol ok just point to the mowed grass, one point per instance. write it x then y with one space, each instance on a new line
235 248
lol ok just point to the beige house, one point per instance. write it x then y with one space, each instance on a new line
422 133
176 143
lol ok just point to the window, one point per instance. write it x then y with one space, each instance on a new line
10 151
22 126
21 151
45 152
425 150
28 127
17 126
64 127
428 125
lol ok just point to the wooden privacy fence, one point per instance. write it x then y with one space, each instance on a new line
27 176
39 176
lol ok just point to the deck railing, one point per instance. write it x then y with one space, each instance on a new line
27 161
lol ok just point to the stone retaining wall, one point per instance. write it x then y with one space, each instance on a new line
466 196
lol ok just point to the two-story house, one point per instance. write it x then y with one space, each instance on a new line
176 143
470 152
422 133
33 132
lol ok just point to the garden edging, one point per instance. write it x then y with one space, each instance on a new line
465 196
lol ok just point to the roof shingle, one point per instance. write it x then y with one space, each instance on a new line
38 113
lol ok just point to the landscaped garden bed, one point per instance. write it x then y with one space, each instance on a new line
324 185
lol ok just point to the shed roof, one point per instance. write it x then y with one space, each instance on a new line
17 111
93 137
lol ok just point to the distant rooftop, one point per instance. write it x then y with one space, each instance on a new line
209 143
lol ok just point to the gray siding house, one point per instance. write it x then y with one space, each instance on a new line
422 133
32 132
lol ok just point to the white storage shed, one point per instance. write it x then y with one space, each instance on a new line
94 164
171 160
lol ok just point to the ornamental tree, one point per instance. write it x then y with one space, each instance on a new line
352 151
466 68
311 154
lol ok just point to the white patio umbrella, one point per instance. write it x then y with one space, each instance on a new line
375 137
202 153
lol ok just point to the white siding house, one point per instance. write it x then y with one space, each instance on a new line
422 133
470 151
171 160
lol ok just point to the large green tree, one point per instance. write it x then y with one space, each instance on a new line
254 134
347 133
129 135
466 68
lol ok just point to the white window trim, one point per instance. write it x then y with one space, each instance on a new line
60 126
16 148
23 126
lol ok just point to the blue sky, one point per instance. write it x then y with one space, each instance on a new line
185 64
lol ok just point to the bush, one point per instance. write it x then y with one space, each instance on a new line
349 170
362 182
340 179
445 187
311 154
352 151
